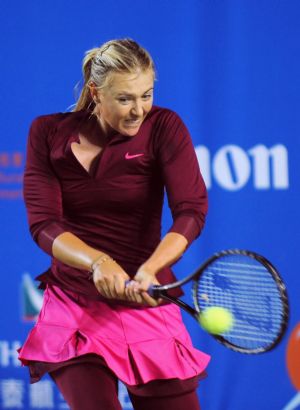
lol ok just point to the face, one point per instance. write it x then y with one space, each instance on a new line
124 102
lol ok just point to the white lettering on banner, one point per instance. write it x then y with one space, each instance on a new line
279 160
231 167
12 392
9 354
41 395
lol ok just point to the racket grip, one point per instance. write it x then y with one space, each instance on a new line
152 291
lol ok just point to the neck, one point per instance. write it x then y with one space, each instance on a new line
93 131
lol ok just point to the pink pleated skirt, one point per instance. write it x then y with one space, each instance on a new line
139 344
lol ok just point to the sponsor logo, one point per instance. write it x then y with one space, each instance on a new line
16 393
233 168
32 298
9 353
128 156
11 175
293 366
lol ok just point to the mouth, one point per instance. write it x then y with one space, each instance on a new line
132 123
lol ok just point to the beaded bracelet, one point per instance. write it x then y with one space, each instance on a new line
99 261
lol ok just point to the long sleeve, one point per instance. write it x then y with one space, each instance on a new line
186 191
42 191
117 210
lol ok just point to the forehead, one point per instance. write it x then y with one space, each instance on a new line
130 83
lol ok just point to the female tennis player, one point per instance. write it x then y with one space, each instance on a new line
94 187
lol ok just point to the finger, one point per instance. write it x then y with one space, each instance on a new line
135 288
137 298
110 288
102 289
131 285
147 299
128 290
99 283
144 281
132 293
103 286
120 287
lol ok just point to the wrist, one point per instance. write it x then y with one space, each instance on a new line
99 261
150 268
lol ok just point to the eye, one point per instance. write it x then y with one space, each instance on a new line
124 100
147 97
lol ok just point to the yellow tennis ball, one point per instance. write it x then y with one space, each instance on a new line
216 320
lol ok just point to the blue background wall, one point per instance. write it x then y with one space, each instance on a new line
231 70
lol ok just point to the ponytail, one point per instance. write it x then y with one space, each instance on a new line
85 101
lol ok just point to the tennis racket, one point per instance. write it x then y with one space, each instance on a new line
247 285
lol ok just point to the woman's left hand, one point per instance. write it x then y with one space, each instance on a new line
136 289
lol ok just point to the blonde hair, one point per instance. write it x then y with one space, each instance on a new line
114 56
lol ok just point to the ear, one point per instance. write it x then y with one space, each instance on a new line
94 93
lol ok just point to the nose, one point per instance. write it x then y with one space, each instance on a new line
137 108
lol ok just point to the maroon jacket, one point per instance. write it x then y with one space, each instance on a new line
117 208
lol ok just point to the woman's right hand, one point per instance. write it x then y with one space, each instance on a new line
109 279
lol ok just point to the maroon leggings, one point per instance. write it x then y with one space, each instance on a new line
88 386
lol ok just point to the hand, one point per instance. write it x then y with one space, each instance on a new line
109 279
136 289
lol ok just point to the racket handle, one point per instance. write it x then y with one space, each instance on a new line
153 291
150 290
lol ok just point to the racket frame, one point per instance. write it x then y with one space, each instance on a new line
162 292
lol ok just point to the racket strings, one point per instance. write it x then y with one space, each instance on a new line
247 289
